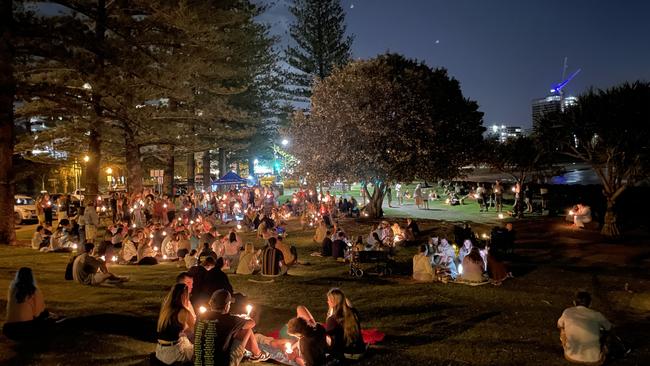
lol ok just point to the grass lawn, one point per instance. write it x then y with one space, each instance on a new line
425 324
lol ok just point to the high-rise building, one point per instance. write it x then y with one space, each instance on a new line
503 133
549 104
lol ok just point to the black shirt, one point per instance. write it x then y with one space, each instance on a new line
313 347
338 248
214 280
213 336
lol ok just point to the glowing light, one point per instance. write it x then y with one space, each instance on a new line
500 216
164 256
484 236
186 209
460 269
447 201
396 238
238 226
134 226
114 258
86 158
202 309
75 246
109 170
155 249
571 212
164 205
287 348
164 233
131 209
103 257
249 308
151 236
285 142
514 189
103 208
191 222
365 214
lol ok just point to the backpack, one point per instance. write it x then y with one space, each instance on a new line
68 268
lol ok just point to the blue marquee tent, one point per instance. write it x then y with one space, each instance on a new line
231 178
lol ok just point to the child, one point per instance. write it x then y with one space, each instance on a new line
40 239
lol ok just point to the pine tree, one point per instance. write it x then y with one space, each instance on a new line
320 43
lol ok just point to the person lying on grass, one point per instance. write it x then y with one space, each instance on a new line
89 270
222 338
27 317
175 327
343 327
312 344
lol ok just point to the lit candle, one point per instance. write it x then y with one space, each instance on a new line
134 226
103 258
186 209
151 236
114 258
202 309
191 221
514 189
165 205
287 348
164 256
249 308
484 236
460 269
155 249
501 216
238 226
571 212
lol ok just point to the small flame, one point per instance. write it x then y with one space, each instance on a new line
202 309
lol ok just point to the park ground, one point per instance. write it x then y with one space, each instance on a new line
425 324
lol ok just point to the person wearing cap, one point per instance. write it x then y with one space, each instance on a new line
222 338
581 332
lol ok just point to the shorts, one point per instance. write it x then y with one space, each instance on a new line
182 351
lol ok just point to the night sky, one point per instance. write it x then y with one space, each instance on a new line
504 53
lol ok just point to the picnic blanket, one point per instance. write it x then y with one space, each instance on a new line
370 336
460 281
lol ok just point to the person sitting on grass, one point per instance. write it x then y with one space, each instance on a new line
129 252
312 344
342 325
464 250
248 261
61 240
88 270
222 338
582 330
472 267
289 252
326 246
272 260
339 246
422 269
40 240
232 245
191 259
27 317
581 215
146 254
175 327
215 279
447 257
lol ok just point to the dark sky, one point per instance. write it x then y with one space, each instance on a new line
505 52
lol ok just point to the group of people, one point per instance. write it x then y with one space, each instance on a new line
474 262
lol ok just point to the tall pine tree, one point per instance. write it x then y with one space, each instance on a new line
320 43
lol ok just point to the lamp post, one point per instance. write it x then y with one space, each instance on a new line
109 176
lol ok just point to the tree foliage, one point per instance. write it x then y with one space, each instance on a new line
522 157
321 45
383 120
607 129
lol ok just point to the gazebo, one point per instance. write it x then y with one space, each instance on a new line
230 179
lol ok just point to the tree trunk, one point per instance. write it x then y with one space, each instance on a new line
134 183
207 181
191 171
223 169
168 174
7 92
92 169
376 199
251 167
610 228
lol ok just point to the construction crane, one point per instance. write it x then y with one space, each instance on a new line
557 88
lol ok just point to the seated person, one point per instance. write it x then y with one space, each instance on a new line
214 279
89 270
175 324
312 344
129 251
326 246
339 246
321 232
413 227
206 252
472 269
447 257
40 240
272 260
146 254
581 331
191 259
464 250
221 338
582 215
248 261
422 269
232 245
342 325
61 241
289 252
27 317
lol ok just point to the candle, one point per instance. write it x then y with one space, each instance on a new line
103 258
164 233
501 216
165 205
114 258
75 246
164 256
202 309
155 249
460 269
238 226
249 308
514 189
571 212
134 226
287 348
150 236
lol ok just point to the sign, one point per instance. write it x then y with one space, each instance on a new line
156 173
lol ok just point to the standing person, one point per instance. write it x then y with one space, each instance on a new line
480 197
417 195
40 213
175 326
398 194
27 317
113 204
62 212
581 331
498 196
528 199
543 192
517 208
389 196
222 339
47 209
91 221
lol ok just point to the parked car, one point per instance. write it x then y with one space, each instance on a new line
24 209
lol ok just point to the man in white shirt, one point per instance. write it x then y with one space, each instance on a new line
581 331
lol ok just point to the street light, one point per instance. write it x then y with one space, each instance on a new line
86 158
109 171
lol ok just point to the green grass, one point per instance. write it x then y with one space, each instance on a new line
425 324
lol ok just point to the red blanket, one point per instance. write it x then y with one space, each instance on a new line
370 336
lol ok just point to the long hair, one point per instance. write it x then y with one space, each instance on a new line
173 303
345 315
23 285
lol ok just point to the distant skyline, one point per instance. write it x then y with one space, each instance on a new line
504 52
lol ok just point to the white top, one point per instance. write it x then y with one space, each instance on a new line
582 327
